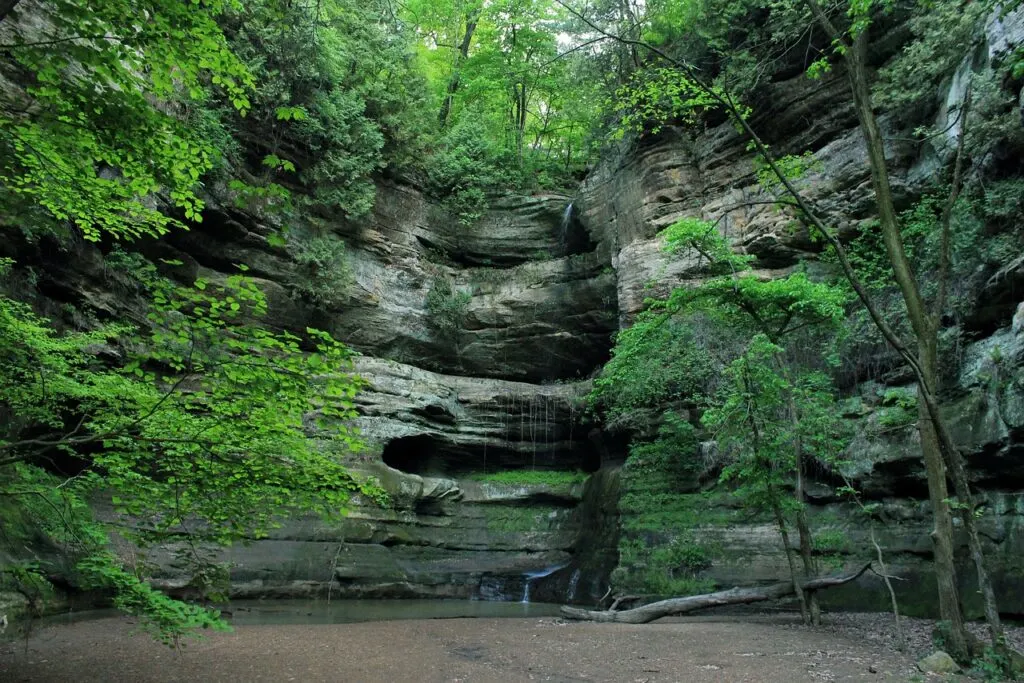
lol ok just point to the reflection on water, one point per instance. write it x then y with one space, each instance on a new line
269 612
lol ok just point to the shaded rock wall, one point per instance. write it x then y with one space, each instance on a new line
541 306
439 408
466 424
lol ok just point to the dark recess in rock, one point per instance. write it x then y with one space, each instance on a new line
430 455
412 454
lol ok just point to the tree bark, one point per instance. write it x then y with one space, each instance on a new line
733 596
801 596
472 19
802 526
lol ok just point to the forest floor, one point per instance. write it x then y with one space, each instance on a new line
727 648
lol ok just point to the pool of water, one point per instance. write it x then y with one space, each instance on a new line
273 612
270 612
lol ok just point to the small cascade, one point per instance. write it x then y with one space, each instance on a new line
563 228
529 577
574 581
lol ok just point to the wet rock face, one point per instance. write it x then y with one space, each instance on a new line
441 538
539 308
426 423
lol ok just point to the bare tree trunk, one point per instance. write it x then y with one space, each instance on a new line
472 19
807 553
901 637
802 526
931 423
795 582
629 18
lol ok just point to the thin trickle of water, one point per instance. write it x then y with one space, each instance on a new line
572 419
547 440
534 411
539 574
522 420
563 229
574 582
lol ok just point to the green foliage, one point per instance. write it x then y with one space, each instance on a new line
94 149
695 236
908 84
661 550
448 307
469 165
669 458
655 363
554 478
900 397
793 167
657 95
201 433
513 114
831 541
665 570
899 408
771 414
993 667
324 276
767 418
56 508
775 307
984 237
339 96
740 301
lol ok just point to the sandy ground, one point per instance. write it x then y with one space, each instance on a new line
766 649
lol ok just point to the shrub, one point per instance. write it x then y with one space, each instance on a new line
447 307
324 273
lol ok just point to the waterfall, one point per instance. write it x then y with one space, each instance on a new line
574 581
539 574
563 228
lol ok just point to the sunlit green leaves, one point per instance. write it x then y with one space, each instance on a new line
94 149
213 429
656 362
655 96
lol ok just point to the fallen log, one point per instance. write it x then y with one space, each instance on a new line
733 596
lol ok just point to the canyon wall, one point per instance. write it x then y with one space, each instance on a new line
546 281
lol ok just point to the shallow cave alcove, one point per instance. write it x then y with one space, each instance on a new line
413 455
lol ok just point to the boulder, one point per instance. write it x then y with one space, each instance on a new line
938 662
